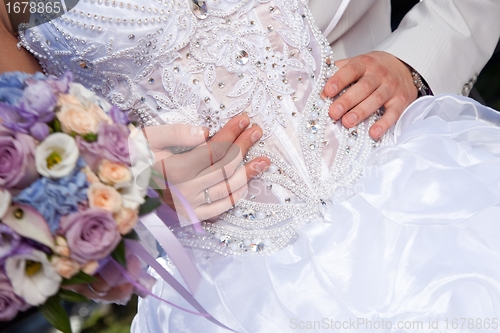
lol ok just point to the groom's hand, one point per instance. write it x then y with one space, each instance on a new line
380 79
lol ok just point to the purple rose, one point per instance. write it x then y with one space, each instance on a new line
39 99
118 116
10 303
112 144
9 242
114 141
17 160
90 151
40 131
16 119
91 234
60 85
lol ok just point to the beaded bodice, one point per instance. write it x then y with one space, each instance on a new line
203 62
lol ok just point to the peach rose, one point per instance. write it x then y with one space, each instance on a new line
61 247
112 173
65 266
126 219
67 99
74 118
98 113
104 197
91 176
90 267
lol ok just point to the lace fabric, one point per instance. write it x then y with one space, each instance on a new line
178 62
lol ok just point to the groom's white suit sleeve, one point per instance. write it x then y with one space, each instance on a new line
447 41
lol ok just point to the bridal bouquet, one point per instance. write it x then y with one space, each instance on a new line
68 199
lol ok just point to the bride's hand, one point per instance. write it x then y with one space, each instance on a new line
380 79
207 177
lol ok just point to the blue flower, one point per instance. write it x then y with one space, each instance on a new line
28 101
54 198
11 87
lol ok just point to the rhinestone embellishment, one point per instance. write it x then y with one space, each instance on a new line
199 8
242 57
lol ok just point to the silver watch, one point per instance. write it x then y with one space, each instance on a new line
423 89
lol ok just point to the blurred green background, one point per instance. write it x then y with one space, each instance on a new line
98 318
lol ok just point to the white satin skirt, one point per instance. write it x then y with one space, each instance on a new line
416 248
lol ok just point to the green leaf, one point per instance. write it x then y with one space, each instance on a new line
90 137
157 174
154 185
56 125
119 254
132 235
79 278
150 205
55 314
71 296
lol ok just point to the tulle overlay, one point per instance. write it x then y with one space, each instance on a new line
415 242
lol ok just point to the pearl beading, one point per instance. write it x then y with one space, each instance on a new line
355 144
149 55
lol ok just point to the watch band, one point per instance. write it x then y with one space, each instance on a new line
423 89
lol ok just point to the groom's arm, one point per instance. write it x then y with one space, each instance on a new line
446 41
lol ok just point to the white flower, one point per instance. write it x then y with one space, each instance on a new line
87 97
56 156
5 198
32 276
27 222
132 196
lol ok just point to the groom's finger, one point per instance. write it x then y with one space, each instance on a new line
352 97
347 74
367 107
391 115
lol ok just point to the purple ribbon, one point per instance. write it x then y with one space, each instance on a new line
158 227
174 249
142 253
192 216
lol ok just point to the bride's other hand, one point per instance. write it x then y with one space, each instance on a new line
380 79
207 177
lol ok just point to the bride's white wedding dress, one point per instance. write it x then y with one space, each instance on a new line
341 230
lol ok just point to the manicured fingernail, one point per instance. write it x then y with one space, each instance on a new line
332 89
256 136
196 131
338 111
261 166
244 122
377 131
351 118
